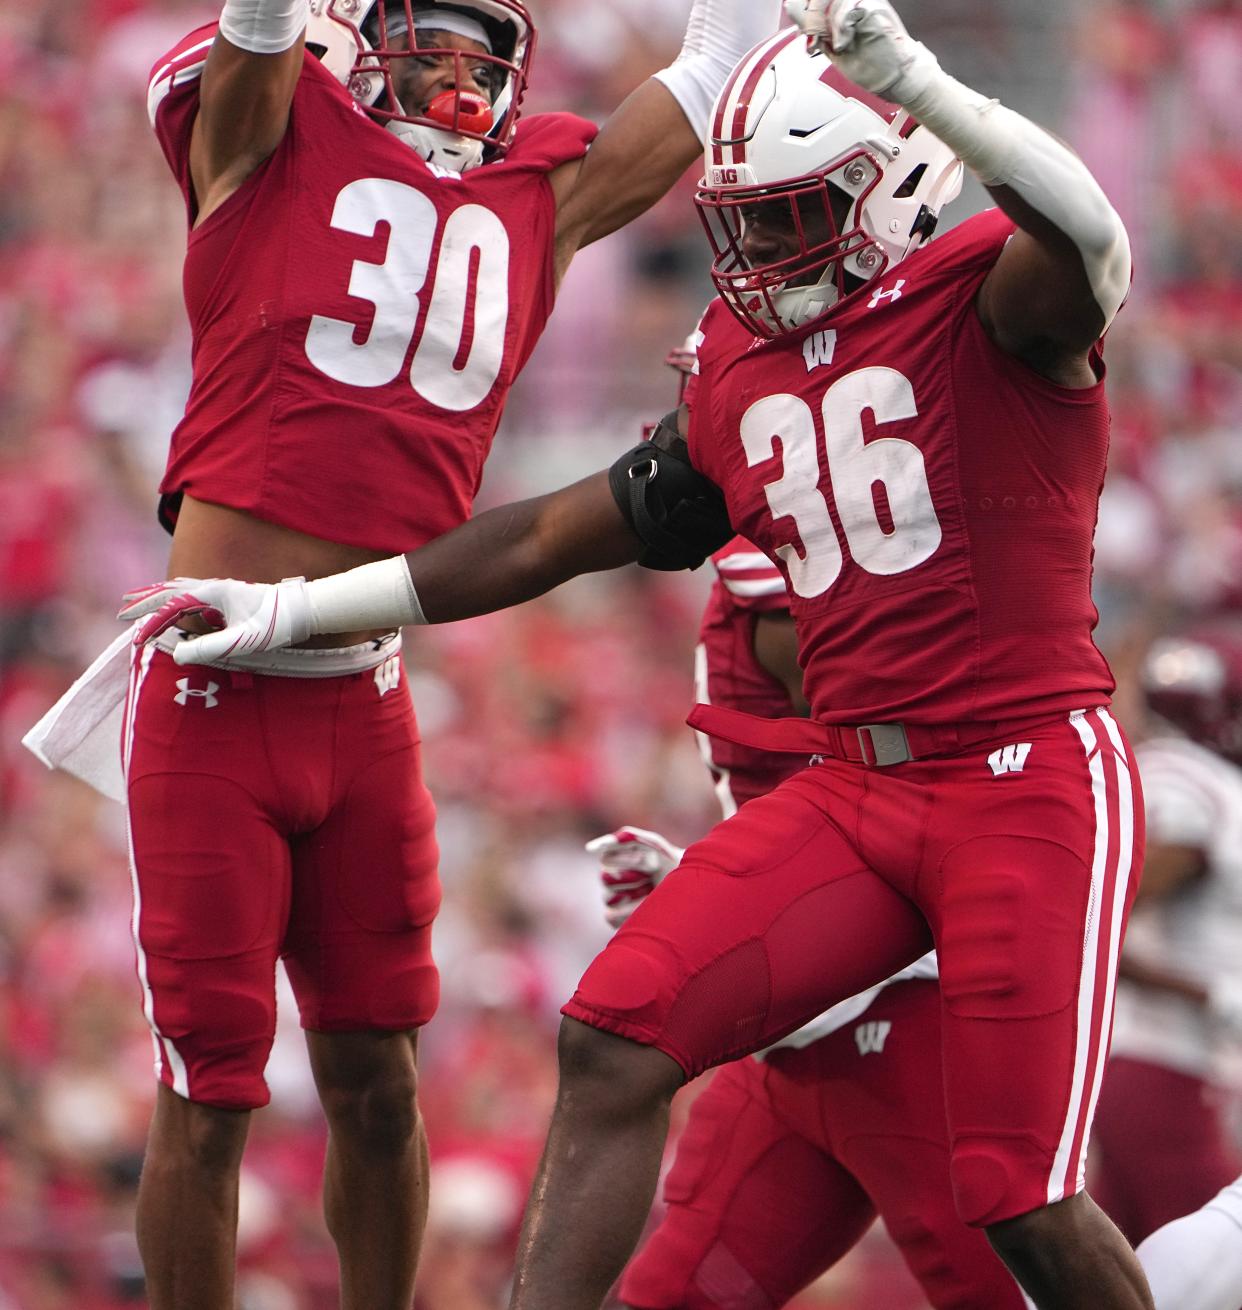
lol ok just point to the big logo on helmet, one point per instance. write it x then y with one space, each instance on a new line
732 175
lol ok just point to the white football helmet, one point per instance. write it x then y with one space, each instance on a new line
359 40
788 130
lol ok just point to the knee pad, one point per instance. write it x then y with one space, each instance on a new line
638 989
219 1062
997 1178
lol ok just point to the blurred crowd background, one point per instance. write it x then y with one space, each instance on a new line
545 726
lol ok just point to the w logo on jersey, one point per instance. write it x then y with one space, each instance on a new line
388 675
185 693
1009 759
870 1037
819 348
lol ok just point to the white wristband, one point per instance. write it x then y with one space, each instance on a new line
264 27
1004 149
718 34
379 595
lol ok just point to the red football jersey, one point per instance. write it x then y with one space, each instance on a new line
727 672
930 499
357 316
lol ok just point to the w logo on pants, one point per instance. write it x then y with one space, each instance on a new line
1009 759
388 675
870 1037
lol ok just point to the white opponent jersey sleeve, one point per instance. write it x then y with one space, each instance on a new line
1193 798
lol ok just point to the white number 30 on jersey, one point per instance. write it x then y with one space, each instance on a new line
854 467
472 234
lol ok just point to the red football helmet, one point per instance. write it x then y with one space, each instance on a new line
359 41
855 182
1194 681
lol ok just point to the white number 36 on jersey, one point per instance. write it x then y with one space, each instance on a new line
854 467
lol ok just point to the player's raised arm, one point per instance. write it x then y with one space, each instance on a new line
658 131
651 507
245 94
1062 278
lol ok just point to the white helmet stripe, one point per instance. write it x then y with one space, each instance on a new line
729 121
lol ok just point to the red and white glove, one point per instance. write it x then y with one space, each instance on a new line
632 861
251 616
868 42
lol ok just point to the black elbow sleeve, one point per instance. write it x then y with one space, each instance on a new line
677 513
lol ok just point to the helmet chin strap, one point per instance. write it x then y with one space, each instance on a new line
798 305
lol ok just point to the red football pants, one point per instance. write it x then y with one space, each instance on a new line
275 816
784 1163
1022 878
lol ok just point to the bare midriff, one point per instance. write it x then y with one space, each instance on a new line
214 541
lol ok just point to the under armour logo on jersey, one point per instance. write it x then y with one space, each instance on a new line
388 675
819 348
894 294
1009 759
870 1037
206 694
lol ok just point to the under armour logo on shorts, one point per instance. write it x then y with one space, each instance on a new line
206 694
388 675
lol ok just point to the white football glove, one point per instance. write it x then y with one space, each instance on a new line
869 43
251 616
1225 1004
632 861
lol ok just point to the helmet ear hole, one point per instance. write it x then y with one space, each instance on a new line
908 187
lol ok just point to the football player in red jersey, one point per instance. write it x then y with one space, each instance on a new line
376 239
786 1159
916 433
